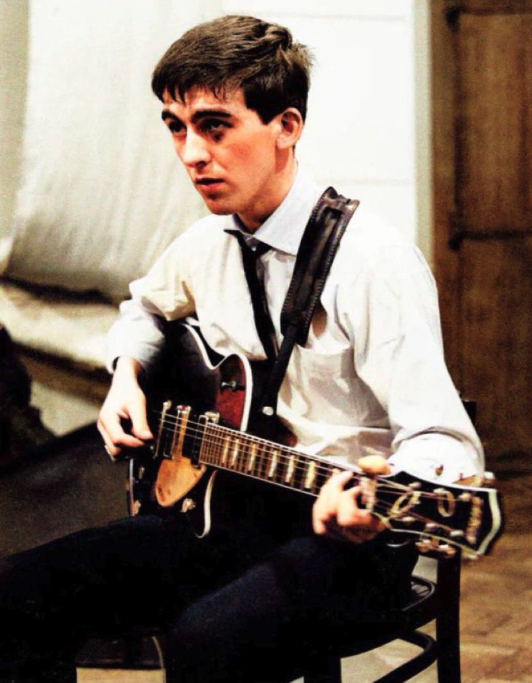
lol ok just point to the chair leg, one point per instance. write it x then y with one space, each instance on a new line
325 670
448 621
449 657
416 664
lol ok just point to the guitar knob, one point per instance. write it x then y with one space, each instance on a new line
407 520
188 504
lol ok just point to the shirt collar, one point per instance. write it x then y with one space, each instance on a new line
284 229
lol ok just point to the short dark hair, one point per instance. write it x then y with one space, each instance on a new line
234 52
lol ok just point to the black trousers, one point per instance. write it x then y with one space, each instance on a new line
250 602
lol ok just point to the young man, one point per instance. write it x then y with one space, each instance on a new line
259 594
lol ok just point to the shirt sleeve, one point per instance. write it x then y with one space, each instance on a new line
163 294
399 355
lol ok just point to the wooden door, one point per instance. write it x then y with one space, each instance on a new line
482 95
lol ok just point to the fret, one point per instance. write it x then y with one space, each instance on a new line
323 474
273 465
252 457
311 475
225 449
238 458
235 453
292 461
282 466
299 474
263 461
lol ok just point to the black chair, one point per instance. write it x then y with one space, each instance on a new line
430 600
437 600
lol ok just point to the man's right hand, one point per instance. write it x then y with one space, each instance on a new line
125 402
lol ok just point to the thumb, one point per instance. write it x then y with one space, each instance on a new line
374 464
139 420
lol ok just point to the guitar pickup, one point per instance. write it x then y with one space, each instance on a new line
210 417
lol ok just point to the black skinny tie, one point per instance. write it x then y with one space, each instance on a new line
254 277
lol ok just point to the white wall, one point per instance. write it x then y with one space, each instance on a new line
368 106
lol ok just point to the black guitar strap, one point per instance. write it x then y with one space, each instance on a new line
316 253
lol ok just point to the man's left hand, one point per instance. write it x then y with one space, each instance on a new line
336 513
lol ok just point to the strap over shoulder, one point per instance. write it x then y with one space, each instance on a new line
316 253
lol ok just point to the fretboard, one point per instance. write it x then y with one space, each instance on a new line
254 457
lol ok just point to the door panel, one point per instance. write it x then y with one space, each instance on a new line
482 92
497 341
494 119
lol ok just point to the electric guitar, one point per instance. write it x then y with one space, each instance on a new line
212 426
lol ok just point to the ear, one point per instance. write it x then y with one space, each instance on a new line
291 126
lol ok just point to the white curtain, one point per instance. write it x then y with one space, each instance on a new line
13 55
101 192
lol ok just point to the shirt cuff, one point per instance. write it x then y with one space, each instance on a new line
439 458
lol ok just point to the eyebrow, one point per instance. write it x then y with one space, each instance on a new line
197 115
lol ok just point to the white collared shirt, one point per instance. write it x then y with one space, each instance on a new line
371 377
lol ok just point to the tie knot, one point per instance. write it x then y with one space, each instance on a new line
251 244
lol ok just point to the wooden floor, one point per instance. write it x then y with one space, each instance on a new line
496 607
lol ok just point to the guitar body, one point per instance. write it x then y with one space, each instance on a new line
206 384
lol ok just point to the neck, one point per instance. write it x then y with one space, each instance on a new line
272 196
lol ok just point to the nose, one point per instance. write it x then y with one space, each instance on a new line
194 150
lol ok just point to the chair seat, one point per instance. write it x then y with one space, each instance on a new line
418 609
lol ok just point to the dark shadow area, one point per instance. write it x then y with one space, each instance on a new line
61 487
64 486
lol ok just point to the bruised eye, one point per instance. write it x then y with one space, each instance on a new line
177 129
214 127
211 127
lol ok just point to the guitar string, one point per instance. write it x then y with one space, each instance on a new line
265 448
379 506
382 507
292 483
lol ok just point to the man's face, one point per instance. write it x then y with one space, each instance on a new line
231 156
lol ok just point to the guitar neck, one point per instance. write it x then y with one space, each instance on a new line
464 516
258 458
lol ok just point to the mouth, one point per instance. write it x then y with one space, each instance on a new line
208 182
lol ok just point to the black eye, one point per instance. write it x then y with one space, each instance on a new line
214 126
176 128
